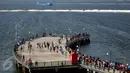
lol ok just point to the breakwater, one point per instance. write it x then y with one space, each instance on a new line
49 10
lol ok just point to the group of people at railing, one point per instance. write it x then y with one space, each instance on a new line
102 64
19 56
80 35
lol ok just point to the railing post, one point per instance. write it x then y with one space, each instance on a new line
44 64
61 63
65 62
51 63
58 63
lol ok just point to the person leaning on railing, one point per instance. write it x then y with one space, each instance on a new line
102 64
80 59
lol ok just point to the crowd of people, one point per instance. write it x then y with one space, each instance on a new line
102 64
78 39
80 35
55 48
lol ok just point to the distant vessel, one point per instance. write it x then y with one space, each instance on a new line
44 4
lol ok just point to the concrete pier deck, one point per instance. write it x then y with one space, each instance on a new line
43 55
47 58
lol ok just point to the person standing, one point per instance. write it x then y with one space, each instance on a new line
42 45
65 53
36 64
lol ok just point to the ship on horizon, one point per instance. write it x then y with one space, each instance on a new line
44 4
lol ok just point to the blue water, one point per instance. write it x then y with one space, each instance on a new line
107 30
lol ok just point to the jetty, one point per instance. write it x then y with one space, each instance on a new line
56 52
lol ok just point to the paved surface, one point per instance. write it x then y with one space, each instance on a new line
44 54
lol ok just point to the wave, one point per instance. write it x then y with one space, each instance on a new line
53 10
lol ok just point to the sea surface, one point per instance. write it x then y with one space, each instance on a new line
108 31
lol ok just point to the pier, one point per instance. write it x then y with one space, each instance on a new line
54 52
45 56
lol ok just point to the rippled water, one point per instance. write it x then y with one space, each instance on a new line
107 30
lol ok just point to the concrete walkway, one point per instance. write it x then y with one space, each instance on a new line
43 54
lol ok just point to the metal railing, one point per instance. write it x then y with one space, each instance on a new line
52 64
77 39
99 68
19 58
